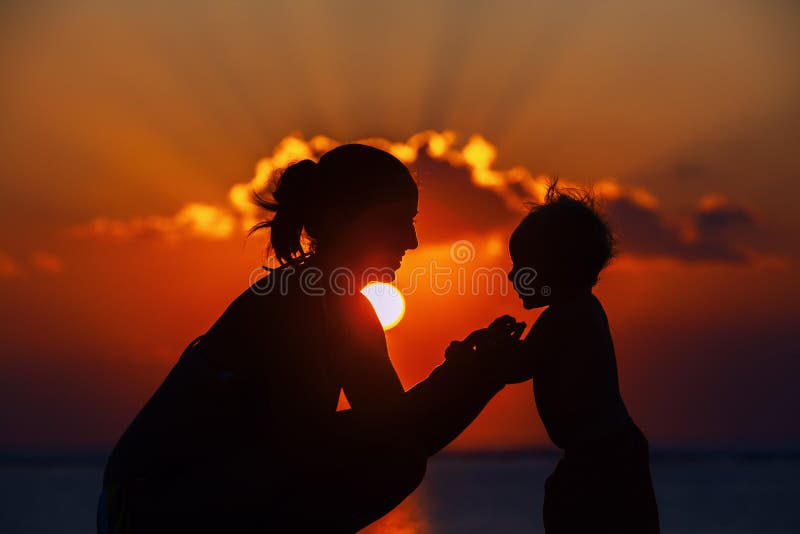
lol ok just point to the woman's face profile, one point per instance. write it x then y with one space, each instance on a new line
377 237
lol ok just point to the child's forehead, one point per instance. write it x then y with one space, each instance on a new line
526 238
530 230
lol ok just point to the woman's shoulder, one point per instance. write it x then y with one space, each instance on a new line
261 307
353 311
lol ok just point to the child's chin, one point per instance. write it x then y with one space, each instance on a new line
530 303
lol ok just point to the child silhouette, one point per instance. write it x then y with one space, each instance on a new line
602 483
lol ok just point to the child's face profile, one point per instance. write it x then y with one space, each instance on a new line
559 249
527 275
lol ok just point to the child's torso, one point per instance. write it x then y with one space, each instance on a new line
576 388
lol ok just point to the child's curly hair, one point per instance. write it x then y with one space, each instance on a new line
569 236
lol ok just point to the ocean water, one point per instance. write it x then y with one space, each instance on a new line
462 493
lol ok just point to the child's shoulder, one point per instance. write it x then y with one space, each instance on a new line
574 313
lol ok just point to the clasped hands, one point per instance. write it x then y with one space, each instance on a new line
497 349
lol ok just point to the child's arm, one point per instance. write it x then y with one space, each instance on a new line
539 343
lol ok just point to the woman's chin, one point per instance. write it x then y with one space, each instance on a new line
392 265
385 273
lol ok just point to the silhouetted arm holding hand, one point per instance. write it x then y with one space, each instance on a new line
435 411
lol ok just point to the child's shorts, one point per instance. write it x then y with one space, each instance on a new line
604 487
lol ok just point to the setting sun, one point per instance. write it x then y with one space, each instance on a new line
388 302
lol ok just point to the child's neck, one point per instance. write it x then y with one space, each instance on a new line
565 297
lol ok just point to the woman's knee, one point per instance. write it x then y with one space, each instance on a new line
409 473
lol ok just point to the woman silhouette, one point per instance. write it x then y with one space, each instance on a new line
243 434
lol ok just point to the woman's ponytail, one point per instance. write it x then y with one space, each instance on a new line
292 206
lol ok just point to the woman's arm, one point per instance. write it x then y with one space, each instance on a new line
436 410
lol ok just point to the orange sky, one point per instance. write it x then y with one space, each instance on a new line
685 115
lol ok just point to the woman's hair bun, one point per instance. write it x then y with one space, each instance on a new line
292 202
294 187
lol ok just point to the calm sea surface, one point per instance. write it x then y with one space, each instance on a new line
697 493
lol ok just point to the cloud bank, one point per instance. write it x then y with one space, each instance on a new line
461 193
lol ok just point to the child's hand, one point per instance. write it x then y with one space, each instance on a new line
502 329
506 326
466 347
510 361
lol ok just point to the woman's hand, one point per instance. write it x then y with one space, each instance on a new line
497 348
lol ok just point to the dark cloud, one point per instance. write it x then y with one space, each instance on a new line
718 221
451 206
713 234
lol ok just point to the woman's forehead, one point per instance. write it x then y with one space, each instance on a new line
405 207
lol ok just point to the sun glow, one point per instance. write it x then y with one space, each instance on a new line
389 304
